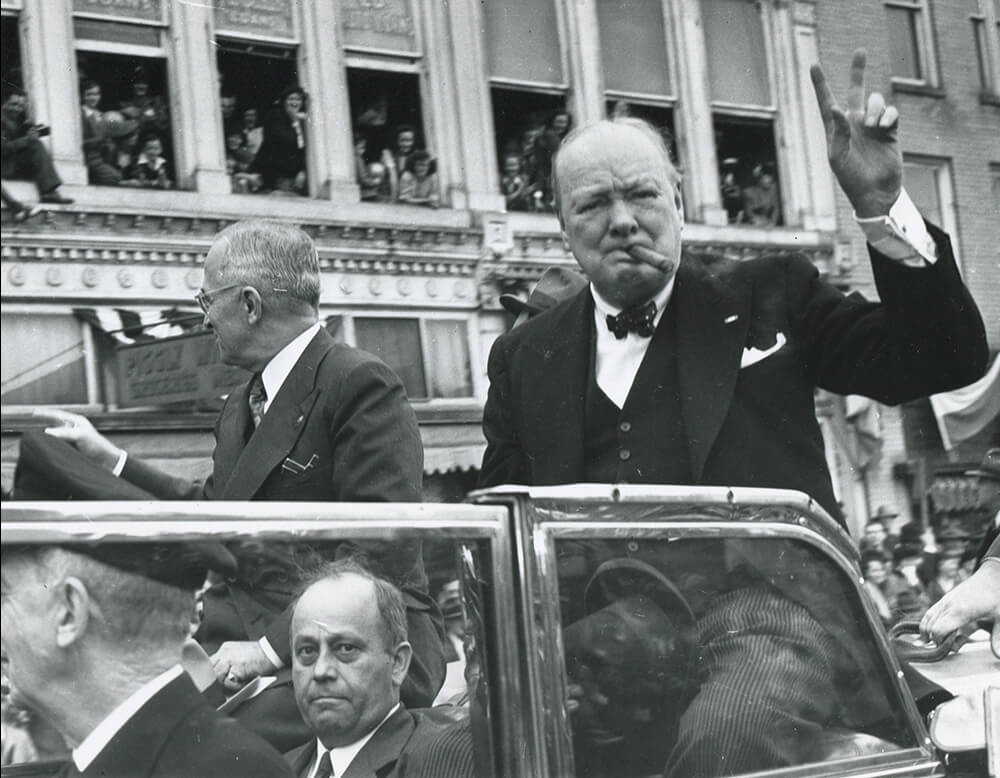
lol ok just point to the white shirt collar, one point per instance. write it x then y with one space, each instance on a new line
92 745
276 371
603 308
342 756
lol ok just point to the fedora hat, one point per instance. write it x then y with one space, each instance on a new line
989 467
555 285
884 512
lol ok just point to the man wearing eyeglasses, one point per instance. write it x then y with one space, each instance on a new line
319 421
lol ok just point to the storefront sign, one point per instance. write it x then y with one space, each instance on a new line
386 25
150 11
264 18
174 369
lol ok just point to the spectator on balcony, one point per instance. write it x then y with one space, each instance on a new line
419 183
513 184
253 133
22 154
98 146
230 121
149 169
281 159
150 111
760 199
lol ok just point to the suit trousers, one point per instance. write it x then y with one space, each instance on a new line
768 687
33 162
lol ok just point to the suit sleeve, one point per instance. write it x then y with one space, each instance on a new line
925 336
504 461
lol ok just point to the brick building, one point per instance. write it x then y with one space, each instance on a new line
479 85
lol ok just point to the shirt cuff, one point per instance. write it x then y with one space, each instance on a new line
120 464
270 653
902 235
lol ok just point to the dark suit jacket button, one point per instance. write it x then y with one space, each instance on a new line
625 426
624 454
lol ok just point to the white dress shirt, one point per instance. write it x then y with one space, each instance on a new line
276 371
342 756
92 745
901 236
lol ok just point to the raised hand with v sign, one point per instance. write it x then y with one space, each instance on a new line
861 141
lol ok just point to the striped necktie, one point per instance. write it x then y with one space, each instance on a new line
325 767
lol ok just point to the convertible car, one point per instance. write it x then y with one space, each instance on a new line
584 615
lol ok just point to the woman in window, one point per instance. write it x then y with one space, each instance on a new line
281 159
419 185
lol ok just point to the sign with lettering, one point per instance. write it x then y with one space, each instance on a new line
149 11
386 25
174 369
264 18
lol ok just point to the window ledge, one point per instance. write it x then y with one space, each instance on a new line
912 88
989 98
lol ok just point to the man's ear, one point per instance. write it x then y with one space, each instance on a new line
252 303
72 606
401 657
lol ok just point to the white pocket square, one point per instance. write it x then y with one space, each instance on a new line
751 355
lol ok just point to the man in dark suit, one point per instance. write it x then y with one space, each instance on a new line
92 640
319 421
716 387
349 658
22 154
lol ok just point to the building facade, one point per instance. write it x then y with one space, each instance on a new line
479 86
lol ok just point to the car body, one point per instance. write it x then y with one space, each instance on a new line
557 586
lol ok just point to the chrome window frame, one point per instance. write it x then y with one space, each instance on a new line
65 522
676 512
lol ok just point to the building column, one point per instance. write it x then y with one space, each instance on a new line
49 67
194 99
324 74
474 107
586 75
695 132
819 205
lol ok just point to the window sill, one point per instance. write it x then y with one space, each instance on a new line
916 88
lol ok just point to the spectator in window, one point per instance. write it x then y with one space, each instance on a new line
406 139
149 169
149 110
22 154
760 199
377 185
123 134
535 166
732 195
98 147
281 159
558 127
253 133
239 161
419 183
230 121
513 184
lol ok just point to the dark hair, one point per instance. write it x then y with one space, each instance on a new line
139 75
405 128
14 91
290 90
146 137
87 84
420 155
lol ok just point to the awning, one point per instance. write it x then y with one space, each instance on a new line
137 325
445 459
963 412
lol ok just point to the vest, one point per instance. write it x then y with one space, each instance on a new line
644 442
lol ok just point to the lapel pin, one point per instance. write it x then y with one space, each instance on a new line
299 420
731 319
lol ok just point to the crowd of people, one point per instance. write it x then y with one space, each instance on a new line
908 571
402 174
526 162
754 201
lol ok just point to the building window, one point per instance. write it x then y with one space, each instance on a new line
928 182
430 355
10 53
530 117
911 50
743 112
44 359
985 16
253 78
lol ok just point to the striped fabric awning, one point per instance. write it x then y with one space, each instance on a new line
138 325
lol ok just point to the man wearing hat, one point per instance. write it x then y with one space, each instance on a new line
150 111
99 136
555 285
93 638
978 597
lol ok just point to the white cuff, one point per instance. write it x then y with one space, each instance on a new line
902 235
270 653
120 464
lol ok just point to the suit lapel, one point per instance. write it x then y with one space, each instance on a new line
282 424
302 759
231 439
384 748
553 387
709 345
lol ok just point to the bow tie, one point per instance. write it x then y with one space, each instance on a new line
637 319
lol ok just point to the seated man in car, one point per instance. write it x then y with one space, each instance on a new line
349 658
